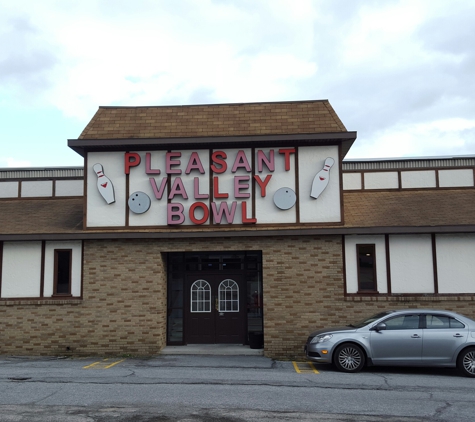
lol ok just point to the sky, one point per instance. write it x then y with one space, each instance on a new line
401 73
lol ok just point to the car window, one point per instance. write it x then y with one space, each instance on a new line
402 322
371 319
442 321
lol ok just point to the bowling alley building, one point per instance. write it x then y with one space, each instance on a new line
225 224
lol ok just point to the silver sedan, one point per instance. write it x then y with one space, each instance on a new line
410 337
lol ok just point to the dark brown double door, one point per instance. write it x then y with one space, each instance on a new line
215 309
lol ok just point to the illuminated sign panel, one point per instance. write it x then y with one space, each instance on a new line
247 186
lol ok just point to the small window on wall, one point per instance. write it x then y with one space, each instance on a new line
62 271
366 255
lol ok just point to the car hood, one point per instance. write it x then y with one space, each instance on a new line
332 330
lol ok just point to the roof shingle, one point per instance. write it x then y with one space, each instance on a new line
283 118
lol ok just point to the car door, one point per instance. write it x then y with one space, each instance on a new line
399 343
443 335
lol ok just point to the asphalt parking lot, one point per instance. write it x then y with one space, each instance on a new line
224 388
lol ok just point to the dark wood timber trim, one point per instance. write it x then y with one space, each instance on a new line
297 186
388 264
42 274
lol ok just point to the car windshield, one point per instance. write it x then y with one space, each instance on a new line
369 320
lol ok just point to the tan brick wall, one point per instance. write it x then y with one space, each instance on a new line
123 310
124 295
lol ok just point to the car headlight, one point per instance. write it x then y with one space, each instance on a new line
321 338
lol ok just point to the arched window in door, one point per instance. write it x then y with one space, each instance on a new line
228 292
200 296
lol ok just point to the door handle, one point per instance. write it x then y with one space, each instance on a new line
458 335
415 336
216 304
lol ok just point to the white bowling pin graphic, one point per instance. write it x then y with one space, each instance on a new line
104 185
320 182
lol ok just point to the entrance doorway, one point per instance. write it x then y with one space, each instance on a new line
214 297
216 312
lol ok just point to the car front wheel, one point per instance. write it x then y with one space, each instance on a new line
466 362
349 358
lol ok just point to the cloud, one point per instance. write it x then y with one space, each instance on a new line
391 70
13 162
26 62
439 137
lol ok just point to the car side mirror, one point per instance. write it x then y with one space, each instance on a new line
379 327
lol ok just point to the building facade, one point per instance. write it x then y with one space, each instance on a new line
225 224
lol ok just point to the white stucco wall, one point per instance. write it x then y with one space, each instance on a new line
411 261
76 247
266 210
352 263
36 189
455 178
456 263
99 213
418 179
21 269
69 188
381 180
351 181
326 208
8 189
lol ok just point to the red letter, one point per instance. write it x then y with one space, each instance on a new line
287 153
196 185
261 158
194 163
241 161
131 163
263 183
175 210
238 186
223 208
205 212
158 192
216 193
148 165
178 189
170 162
221 162
246 220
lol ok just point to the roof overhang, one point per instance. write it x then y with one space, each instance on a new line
83 146
324 231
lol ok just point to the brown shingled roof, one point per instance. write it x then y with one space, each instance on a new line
39 216
431 207
363 209
296 117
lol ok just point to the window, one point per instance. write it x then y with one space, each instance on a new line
366 256
442 321
62 271
228 296
200 296
403 322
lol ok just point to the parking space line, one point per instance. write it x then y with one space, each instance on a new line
304 367
104 364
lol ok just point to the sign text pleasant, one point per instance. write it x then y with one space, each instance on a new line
220 163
